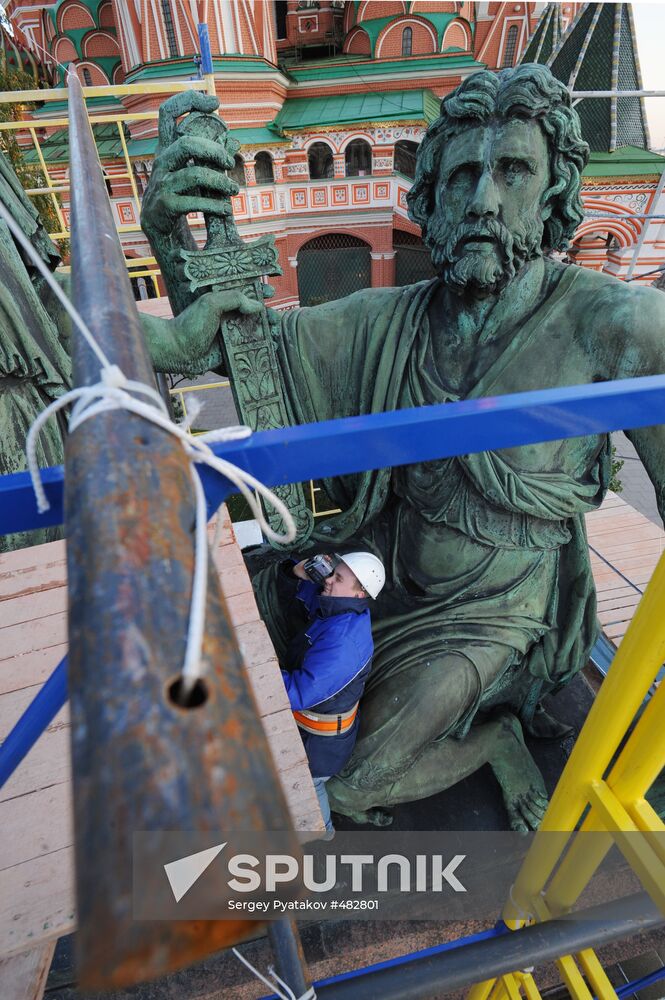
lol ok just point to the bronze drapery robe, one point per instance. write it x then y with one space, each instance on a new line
482 551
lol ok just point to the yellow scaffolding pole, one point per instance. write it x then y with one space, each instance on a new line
49 183
611 787
114 90
633 671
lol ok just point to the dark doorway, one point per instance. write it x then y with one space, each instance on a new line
413 261
331 267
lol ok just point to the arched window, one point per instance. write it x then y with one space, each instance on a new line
511 46
358 158
170 29
407 41
87 79
405 157
320 160
237 173
263 168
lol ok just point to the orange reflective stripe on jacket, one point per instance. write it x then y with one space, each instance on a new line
326 725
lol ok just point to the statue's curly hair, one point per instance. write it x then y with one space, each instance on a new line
528 92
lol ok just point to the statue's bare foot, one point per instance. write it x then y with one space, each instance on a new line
544 726
376 816
522 785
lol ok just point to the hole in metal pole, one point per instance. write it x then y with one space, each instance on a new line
192 697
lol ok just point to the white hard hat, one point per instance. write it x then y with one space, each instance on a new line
367 569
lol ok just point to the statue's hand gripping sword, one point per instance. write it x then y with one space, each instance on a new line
227 262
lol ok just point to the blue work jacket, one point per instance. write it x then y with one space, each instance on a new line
329 661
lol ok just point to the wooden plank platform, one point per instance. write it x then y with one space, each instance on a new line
36 853
625 547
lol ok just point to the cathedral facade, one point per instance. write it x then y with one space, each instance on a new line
329 100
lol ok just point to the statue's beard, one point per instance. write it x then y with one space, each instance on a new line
487 269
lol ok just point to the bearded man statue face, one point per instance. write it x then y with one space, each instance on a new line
489 206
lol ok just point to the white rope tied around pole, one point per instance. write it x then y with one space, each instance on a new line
288 994
114 391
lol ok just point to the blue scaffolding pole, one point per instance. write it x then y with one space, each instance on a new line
351 445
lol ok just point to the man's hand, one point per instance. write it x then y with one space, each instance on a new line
187 175
188 342
299 570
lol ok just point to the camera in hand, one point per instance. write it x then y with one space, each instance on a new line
319 567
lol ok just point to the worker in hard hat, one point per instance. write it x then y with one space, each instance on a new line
328 659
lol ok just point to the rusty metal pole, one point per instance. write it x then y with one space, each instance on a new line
290 963
140 761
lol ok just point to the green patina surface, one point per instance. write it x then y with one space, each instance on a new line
95 104
489 602
34 363
142 147
56 148
627 161
35 367
257 136
228 264
400 105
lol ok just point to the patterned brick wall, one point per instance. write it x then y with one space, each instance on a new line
439 85
432 7
64 51
455 37
105 16
389 42
101 44
74 16
370 9
358 43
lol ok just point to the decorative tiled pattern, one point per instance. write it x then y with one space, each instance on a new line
126 213
297 169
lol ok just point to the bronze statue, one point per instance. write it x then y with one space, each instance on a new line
490 602
35 367
34 362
